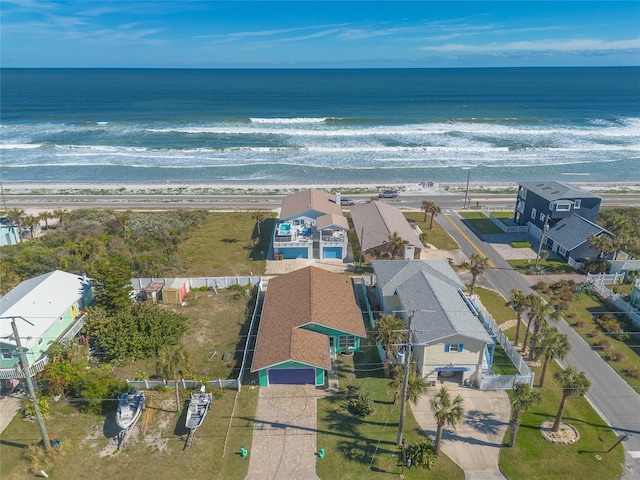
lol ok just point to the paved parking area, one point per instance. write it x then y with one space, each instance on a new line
284 434
475 443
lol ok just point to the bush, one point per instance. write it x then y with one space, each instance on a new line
616 357
98 390
542 286
633 371
421 454
522 244
28 410
562 305
579 323
604 345
361 406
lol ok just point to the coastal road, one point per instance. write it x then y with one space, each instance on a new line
610 395
258 201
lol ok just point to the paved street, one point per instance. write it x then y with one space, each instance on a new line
610 395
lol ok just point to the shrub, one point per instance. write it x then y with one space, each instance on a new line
562 305
98 390
616 357
542 286
520 244
633 371
421 454
572 315
28 410
361 406
578 323
604 345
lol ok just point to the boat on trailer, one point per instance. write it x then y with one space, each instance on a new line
130 406
198 407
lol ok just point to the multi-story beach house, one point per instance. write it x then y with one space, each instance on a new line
311 225
566 214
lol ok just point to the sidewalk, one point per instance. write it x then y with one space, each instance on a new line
9 406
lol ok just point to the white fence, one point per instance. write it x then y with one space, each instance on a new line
503 382
36 367
629 310
198 282
605 278
233 384
501 225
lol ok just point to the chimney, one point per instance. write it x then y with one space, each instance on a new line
338 198
409 252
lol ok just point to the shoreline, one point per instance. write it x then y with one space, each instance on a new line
273 188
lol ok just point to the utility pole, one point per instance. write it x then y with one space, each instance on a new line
545 227
27 377
405 382
466 192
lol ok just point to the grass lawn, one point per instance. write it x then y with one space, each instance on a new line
534 458
226 244
436 236
479 223
359 448
525 267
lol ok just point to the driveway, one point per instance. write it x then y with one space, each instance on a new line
9 406
284 433
475 444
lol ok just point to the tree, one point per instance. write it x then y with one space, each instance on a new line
477 267
431 208
114 287
62 214
31 221
391 333
447 411
518 303
543 313
122 220
416 386
533 301
422 453
395 244
553 344
602 242
259 216
46 216
573 383
15 214
173 362
524 397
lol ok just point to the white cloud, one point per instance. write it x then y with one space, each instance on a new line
538 45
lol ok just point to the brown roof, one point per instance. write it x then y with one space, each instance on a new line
307 296
375 222
332 220
307 200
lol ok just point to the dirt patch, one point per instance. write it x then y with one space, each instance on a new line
566 434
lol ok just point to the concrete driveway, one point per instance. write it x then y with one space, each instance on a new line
284 433
475 444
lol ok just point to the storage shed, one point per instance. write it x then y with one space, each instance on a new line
152 291
175 290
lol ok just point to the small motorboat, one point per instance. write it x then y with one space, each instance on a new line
130 406
198 407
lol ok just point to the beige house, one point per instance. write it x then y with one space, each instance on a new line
375 222
448 338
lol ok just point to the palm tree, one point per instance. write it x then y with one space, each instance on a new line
447 411
392 334
477 267
61 214
518 303
533 301
122 221
259 216
602 242
416 385
394 244
31 221
543 313
432 208
15 214
46 216
173 362
553 344
573 383
524 397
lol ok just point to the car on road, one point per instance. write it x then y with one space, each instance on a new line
346 202
388 194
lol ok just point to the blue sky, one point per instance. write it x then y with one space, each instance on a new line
302 34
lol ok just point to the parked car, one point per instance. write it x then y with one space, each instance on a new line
388 194
346 202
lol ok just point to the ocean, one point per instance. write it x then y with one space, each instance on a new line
320 126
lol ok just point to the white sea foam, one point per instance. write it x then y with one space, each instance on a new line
288 121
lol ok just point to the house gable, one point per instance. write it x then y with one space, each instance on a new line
310 203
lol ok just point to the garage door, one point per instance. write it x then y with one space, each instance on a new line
292 253
332 252
292 376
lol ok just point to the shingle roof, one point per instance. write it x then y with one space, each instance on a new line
332 220
557 190
295 300
42 301
307 200
572 232
374 222
429 290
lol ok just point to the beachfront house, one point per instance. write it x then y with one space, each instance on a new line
47 308
449 340
567 213
309 315
311 225
375 222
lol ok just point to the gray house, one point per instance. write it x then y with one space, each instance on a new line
448 338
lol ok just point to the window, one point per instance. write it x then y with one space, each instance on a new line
345 341
563 207
534 212
453 347
577 203
523 192
541 217
6 353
